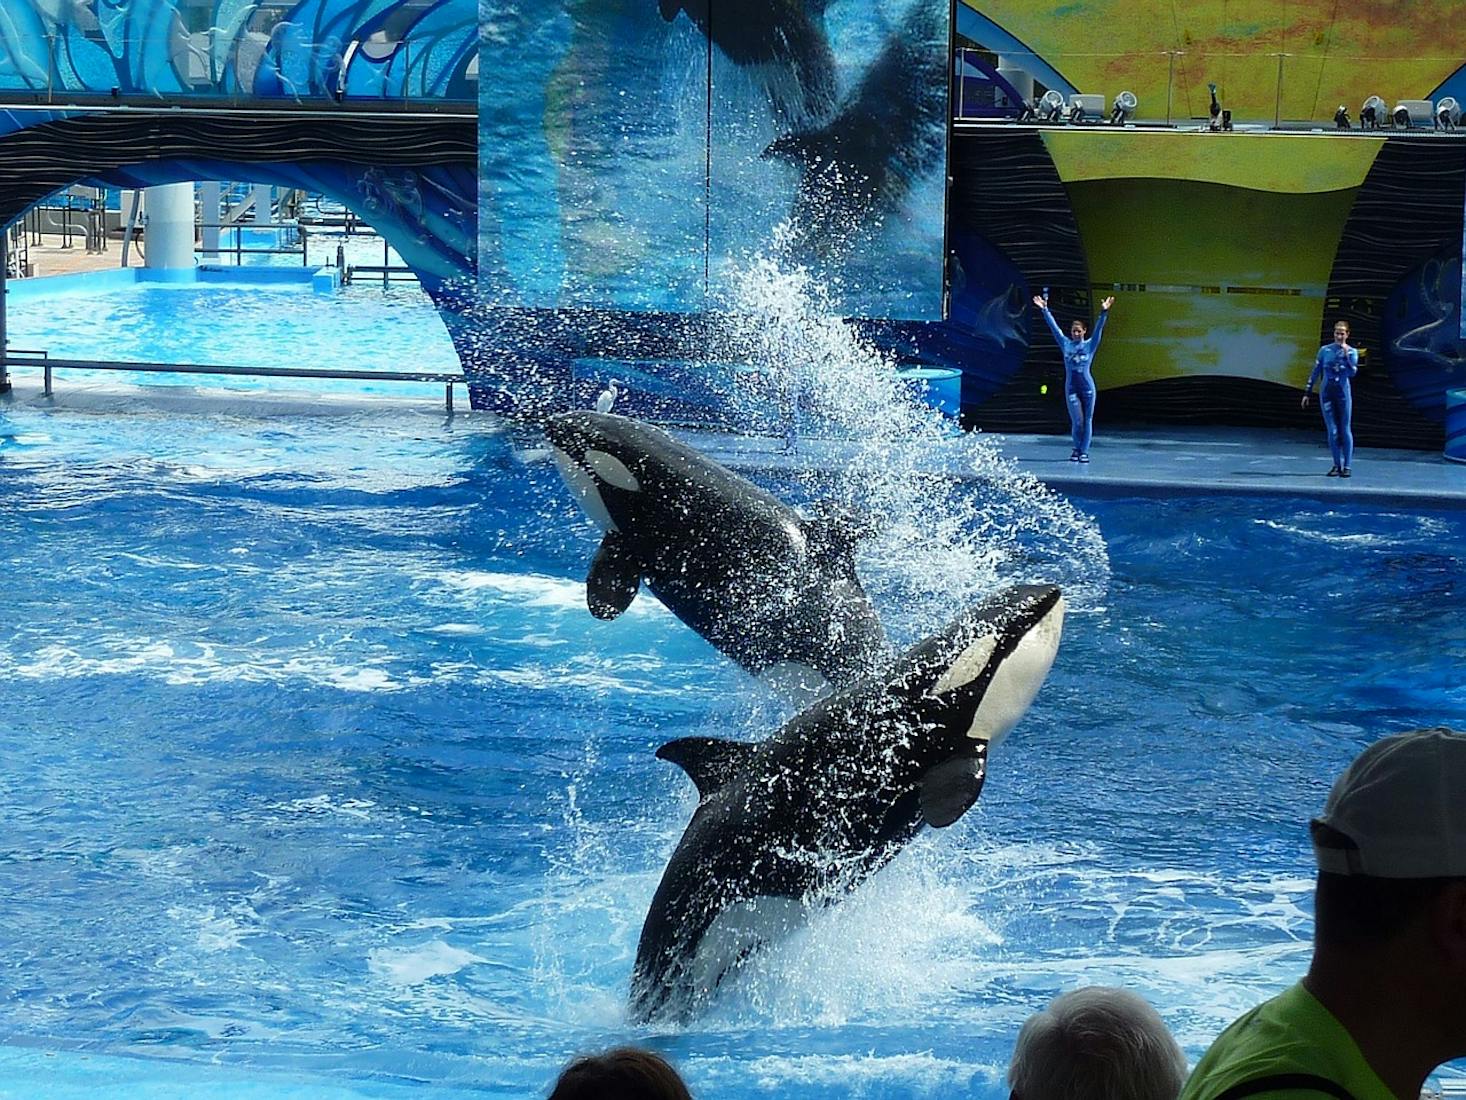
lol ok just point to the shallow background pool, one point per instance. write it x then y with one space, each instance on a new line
361 327
316 765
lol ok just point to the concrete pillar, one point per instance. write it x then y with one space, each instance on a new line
264 203
169 234
211 210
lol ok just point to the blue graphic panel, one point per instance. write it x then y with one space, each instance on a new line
988 329
1422 331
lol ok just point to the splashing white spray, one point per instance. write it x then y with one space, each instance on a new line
953 519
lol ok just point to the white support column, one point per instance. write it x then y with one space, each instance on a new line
264 203
211 210
169 235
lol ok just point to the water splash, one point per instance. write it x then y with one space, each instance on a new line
952 518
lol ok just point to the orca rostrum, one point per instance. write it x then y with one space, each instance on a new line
800 819
769 588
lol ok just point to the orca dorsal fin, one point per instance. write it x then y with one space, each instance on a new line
949 789
614 577
833 530
709 762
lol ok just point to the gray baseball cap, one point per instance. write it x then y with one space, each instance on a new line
1399 810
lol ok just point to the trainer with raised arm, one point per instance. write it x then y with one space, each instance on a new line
1078 349
1382 1004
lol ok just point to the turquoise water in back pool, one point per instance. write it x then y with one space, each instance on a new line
361 327
317 766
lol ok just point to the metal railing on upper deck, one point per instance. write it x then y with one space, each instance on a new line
1279 83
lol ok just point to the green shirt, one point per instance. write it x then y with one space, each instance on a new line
1292 1033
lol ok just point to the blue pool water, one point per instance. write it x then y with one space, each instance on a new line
317 770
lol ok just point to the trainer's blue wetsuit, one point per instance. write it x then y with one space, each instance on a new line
1078 382
1336 365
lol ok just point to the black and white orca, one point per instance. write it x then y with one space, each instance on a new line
772 590
802 818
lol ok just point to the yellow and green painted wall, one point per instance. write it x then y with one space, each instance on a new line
1229 254
1290 60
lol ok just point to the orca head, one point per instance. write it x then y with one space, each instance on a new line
598 455
1004 649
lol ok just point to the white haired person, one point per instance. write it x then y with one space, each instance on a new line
1096 1043
1382 1004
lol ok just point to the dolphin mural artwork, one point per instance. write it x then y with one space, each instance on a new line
774 591
807 815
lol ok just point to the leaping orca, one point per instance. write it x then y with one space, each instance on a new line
772 590
813 811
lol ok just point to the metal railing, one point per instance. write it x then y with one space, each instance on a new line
1276 82
17 357
241 250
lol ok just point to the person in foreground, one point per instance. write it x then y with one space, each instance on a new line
1096 1043
623 1073
1381 1005
1335 364
1078 349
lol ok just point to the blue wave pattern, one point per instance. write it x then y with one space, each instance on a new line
318 50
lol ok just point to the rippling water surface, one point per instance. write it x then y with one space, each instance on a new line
315 764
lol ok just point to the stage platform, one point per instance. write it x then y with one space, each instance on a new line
1160 462
1124 462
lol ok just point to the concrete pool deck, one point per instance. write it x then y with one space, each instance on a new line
1124 462
1159 461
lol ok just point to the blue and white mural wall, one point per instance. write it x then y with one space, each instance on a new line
635 153
301 50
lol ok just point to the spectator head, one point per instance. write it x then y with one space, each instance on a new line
1096 1044
1391 844
625 1073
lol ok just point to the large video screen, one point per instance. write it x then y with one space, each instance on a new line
635 154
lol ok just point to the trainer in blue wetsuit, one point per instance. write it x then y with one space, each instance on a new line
1335 365
1078 349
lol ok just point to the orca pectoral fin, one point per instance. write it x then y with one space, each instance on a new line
709 762
949 790
614 577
